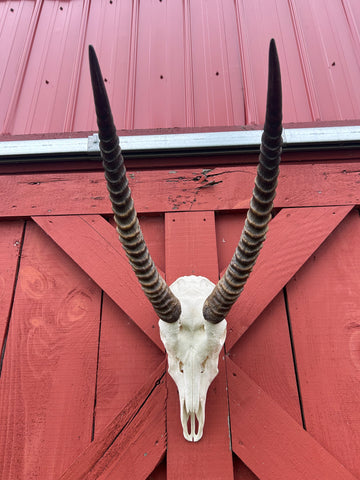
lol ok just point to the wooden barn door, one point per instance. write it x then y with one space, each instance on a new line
84 392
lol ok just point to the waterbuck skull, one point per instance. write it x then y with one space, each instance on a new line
193 346
192 310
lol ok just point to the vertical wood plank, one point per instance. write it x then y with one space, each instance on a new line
126 359
133 443
97 250
269 441
190 245
136 452
191 249
264 353
324 305
294 234
10 243
49 371
241 471
127 356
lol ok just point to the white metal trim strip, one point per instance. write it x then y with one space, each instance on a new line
295 137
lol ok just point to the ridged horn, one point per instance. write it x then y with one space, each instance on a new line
229 287
164 302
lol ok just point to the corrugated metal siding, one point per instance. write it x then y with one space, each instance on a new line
176 63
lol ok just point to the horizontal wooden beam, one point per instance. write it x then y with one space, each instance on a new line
269 441
133 443
218 189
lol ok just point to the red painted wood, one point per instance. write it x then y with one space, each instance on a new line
294 234
153 229
264 353
177 190
96 249
127 357
188 253
211 457
269 441
190 247
10 244
160 471
241 471
47 387
133 443
326 338
229 226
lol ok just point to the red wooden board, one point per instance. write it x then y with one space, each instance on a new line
173 190
190 245
96 249
10 244
327 341
191 249
133 443
294 234
127 357
47 387
269 441
241 471
264 353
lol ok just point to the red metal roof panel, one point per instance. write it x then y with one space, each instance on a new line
176 63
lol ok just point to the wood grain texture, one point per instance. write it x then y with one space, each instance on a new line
177 190
294 234
133 443
324 305
264 353
160 471
10 244
47 387
269 441
191 249
127 357
190 245
96 249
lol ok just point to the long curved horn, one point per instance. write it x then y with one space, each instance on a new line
164 302
229 287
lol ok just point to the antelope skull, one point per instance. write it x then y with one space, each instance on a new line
192 310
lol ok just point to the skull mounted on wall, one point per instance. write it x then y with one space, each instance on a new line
192 310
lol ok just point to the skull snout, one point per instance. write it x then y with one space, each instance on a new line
193 403
193 422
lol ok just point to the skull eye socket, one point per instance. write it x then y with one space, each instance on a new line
181 367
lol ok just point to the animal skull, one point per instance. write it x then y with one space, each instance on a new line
193 346
192 311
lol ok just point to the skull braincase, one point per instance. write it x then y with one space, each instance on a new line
193 346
